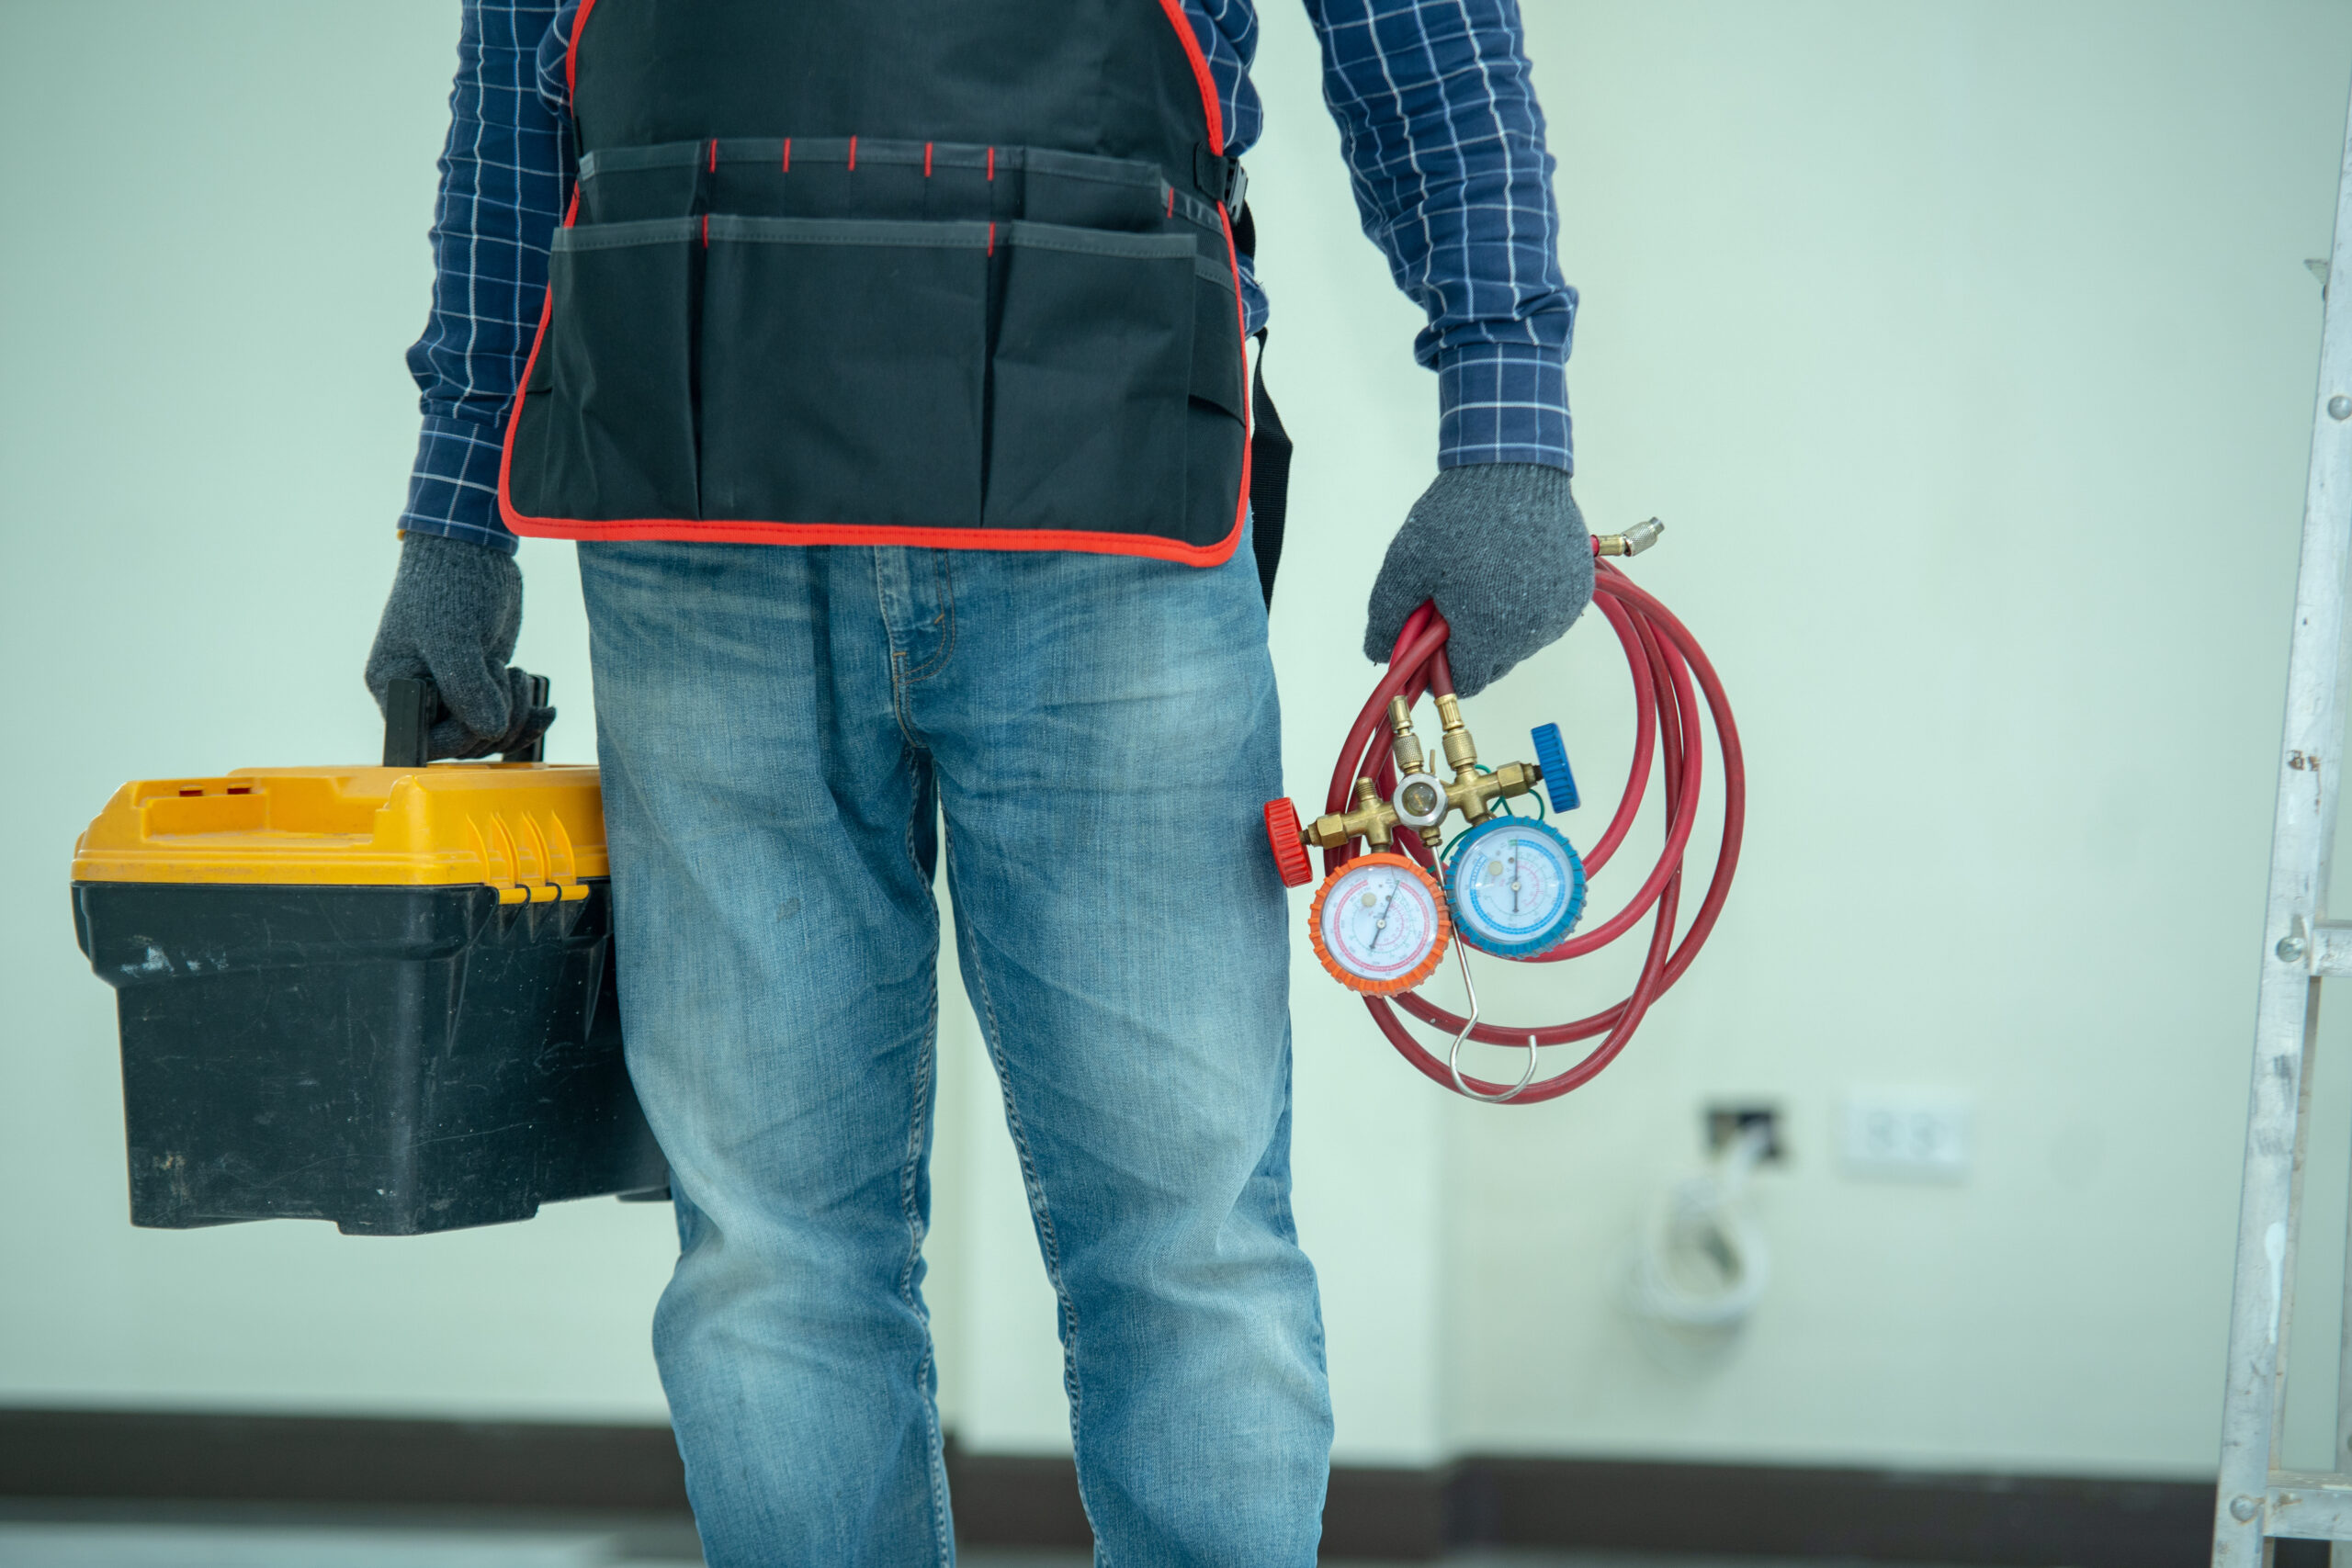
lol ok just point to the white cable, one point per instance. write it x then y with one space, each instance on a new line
1701 1262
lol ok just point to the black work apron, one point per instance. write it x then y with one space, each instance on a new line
942 272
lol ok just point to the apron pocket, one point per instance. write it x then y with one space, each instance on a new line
1217 369
1220 393
1089 382
611 399
841 372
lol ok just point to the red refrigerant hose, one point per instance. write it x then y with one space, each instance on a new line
1667 664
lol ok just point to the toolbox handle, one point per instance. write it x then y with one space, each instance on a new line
412 706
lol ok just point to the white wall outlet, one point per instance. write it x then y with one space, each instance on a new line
1907 1135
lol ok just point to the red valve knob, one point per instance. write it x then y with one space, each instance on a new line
1282 836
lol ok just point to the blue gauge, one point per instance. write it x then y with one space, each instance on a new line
1515 887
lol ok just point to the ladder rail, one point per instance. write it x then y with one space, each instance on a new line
2248 1506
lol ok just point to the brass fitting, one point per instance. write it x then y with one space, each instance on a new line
1372 820
1472 793
1378 814
1461 752
1632 542
1406 746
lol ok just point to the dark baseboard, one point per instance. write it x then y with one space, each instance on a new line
1405 1514
1892 1516
1016 1500
1001 1500
1383 1513
187 1457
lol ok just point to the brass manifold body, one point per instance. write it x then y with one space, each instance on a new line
1422 800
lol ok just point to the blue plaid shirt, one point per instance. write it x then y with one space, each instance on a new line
1444 143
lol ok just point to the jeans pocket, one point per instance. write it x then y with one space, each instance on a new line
1088 379
841 370
611 395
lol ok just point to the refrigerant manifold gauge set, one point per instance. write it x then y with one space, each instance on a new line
1509 884
1396 893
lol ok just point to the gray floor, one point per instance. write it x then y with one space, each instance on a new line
70 1536
225 1546
976 1558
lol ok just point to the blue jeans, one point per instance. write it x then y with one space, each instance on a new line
779 728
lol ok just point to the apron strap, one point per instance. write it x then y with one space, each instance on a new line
1269 451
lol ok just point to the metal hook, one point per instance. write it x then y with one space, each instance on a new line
1454 1057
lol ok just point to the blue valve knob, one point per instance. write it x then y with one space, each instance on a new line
1559 783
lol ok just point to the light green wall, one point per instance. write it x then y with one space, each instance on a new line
216 216
1971 347
1966 350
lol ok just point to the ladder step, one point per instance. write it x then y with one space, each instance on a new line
2331 949
2309 1505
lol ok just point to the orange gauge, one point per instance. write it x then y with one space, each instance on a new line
1379 924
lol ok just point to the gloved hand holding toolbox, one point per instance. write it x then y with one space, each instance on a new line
380 996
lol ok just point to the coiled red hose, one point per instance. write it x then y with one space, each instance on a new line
1671 673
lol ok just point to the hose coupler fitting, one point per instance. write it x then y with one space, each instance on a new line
1405 746
1461 752
1632 542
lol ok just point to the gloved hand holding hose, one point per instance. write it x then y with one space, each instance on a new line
1502 549
455 611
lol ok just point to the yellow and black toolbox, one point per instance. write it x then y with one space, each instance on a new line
379 995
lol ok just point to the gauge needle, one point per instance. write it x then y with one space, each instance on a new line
1380 926
1514 878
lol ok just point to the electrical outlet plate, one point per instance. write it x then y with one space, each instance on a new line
1726 1120
1907 1135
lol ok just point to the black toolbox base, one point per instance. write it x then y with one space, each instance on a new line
397 1060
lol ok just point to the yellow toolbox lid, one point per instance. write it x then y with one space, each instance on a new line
531 830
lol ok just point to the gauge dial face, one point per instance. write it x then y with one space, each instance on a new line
1515 887
1379 924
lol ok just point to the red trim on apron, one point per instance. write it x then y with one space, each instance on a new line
1147 544
1210 108
571 58
1249 404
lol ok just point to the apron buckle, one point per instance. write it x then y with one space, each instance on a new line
1220 178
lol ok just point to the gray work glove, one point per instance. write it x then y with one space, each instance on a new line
1503 550
453 614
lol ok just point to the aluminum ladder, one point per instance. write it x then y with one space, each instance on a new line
2258 1501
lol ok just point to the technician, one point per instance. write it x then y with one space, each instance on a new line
892 379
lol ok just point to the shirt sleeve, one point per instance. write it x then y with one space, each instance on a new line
1446 147
506 170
